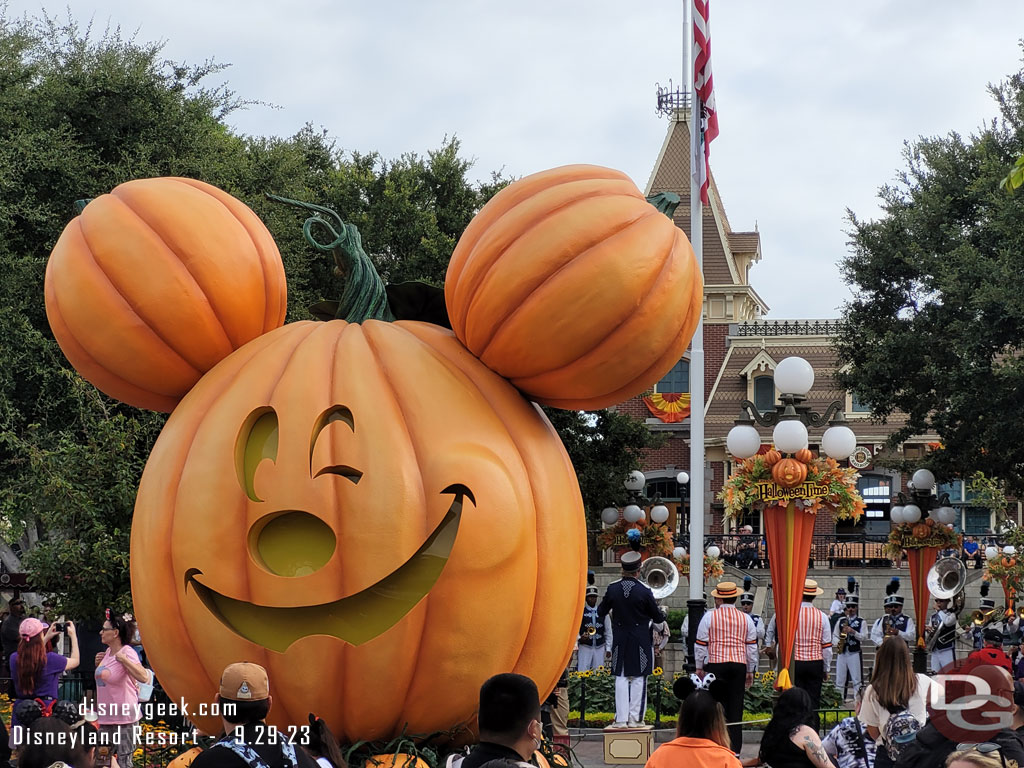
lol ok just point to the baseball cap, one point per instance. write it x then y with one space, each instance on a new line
31 627
244 681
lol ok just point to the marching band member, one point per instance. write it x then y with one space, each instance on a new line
747 606
591 636
895 622
812 650
632 608
727 647
849 661
944 622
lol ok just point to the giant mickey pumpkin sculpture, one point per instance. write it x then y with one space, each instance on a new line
369 511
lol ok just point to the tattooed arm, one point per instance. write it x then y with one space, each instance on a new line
807 739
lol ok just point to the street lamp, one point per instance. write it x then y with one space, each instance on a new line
684 481
922 503
794 378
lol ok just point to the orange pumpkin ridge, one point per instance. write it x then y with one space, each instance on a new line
568 269
156 282
789 473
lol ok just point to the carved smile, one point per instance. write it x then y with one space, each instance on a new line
355 619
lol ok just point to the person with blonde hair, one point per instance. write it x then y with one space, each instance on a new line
894 690
975 757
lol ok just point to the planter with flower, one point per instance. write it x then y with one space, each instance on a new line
790 491
653 539
1006 566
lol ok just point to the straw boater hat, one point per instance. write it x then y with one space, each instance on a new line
811 588
725 590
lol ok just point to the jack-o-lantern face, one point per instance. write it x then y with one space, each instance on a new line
306 508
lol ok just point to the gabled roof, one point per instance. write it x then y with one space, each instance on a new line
721 245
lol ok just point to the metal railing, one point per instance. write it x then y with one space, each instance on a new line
789 328
838 550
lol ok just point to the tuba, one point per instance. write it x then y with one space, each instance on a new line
946 580
660 575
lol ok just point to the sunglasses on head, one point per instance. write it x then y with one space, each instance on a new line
984 748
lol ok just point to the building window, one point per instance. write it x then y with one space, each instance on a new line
876 490
857 405
676 380
976 520
764 393
667 487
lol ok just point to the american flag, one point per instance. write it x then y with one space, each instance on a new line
703 85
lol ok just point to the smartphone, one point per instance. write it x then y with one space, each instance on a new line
104 752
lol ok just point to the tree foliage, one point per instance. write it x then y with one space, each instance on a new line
936 326
80 114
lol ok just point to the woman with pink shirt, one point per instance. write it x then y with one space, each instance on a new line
117 695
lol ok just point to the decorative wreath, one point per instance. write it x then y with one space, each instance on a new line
740 491
714 567
924 533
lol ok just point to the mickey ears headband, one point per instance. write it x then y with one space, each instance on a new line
705 684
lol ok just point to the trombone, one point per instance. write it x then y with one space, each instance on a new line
982 619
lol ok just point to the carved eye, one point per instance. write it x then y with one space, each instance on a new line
256 441
333 414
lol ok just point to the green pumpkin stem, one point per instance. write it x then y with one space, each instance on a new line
666 202
364 297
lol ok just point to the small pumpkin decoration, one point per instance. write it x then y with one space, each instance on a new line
789 472
929 522
398 760
156 282
565 271
772 457
1008 562
804 455
347 460
920 531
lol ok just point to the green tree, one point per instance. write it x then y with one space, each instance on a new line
78 116
936 326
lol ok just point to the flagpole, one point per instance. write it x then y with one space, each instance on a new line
695 604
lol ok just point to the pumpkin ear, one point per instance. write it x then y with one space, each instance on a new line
156 282
575 288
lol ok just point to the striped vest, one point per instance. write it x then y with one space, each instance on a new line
727 636
809 634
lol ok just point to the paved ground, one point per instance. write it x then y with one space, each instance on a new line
588 745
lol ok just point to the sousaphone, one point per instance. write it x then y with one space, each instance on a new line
660 575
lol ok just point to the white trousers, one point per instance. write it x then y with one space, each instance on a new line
629 695
941 658
848 666
589 657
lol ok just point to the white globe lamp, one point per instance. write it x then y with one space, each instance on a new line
633 513
991 553
659 513
946 515
794 376
923 480
679 553
635 481
1009 549
839 442
682 478
790 435
896 515
713 551
743 441
911 513
609 515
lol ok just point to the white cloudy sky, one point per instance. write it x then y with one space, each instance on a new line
815 98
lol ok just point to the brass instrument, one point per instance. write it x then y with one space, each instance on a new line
982 619
660 575
946 580
591 630
888 626
843 622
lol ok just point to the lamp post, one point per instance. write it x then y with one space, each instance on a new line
683 479
922 503
788 530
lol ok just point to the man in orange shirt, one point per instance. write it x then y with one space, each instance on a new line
727 647
812 651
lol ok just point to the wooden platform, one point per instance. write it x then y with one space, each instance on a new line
628 746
